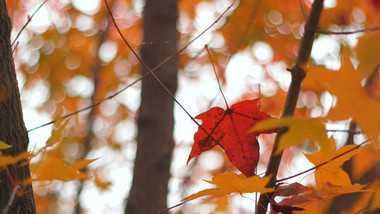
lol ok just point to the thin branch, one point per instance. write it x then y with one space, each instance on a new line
28 21
172 207
137 80
303 9
324 163
346 131
348 32
88 107
11 199
298 74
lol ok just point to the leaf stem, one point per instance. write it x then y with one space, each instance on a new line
216 75
298 74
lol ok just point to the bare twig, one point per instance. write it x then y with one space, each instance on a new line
303 9
172 207
346 131
28 21
349 32
137 80
11 199
298 74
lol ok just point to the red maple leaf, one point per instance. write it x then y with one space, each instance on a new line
229 129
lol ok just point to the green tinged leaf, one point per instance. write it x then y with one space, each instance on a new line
299 131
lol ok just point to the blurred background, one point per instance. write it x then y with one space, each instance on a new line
70 56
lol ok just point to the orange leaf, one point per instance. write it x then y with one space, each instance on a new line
375 201
52 168
8 159
331 172
57 134
230 182
353 101
364 161
368 53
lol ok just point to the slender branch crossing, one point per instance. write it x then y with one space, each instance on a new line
298 74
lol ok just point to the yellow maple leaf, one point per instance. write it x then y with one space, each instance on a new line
376 200
9 159
299 130
57 134
100 182
353 100
230 182
53 168
331 172
4 145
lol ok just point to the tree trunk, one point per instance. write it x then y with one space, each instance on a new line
155 121
12 129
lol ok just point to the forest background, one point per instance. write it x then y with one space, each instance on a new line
71 56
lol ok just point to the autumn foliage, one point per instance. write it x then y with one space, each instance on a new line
85 77
230 130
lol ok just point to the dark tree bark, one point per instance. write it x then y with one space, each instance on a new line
155 121
12 129
298 74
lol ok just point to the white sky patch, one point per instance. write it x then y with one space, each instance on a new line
80 86
108 51
41 21
36 96
187 94
263 52
326 52
89 7
130 97
32 119
279 73
241 73
84 22
328 101
203 20
119 172
330 4
119 133
211 160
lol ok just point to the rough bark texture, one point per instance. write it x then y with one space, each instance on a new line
12 128
155 121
